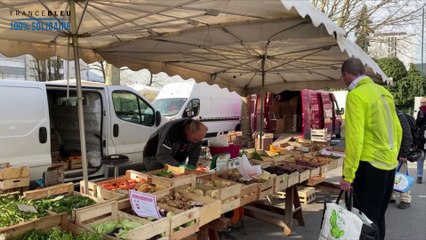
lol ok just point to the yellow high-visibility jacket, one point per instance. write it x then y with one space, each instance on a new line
373 132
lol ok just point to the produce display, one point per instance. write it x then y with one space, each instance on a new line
118 228
169 174
177 200
288 168
315 159
235 176
149 188
59 234
62 204
10 213
121 184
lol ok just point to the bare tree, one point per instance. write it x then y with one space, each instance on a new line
100 66
384 14
48 69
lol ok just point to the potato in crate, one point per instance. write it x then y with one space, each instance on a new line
210 209
227 192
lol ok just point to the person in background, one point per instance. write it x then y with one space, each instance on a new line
421 124
404 150
373 137
173 143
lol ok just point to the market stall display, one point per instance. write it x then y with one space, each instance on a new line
171 176
116 187
107 219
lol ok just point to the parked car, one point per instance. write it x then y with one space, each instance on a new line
216 107
39 122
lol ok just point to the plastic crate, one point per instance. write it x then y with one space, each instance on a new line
233 150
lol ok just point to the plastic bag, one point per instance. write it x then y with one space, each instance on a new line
346 222
221 140
94 158
246 169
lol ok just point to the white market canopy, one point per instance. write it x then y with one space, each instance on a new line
225 42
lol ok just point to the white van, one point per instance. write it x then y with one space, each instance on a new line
216 107
38 119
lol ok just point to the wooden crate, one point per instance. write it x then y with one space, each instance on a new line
249 193
75 162
14 184
263 163
183 180
66 189
293 179
96 189
320 135
303 176
109 211
267 187
178 227
44 223
281 182
228 195
315 172
306 195
340 161
325 168
210 211
315 180
8 172
61 189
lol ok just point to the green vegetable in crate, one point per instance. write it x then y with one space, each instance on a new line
106 227
10 213
58 234
116 228
64 203
165 173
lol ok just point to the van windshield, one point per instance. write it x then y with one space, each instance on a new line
169 106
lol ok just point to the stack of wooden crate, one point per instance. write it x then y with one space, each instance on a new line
14 178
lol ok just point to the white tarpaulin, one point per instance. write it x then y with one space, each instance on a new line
220 42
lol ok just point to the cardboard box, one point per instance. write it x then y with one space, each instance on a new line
280 125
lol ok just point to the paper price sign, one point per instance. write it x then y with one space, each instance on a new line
144 204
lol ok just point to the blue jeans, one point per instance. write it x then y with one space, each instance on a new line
420 165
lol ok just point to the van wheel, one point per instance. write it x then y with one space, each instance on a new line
338 135
238 127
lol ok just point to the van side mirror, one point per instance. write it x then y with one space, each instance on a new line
188 112
157 118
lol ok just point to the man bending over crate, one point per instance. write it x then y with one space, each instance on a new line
173 142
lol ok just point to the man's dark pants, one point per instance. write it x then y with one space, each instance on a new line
372 191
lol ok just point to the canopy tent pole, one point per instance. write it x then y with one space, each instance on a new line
262 105
82 128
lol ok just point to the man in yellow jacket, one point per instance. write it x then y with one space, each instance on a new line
373 137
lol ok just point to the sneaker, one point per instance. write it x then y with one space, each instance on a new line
419 180
404 205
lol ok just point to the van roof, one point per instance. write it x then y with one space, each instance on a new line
72 82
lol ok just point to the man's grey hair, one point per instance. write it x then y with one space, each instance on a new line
195 126
353 66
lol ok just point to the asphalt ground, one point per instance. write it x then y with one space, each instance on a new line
401 224
406 224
